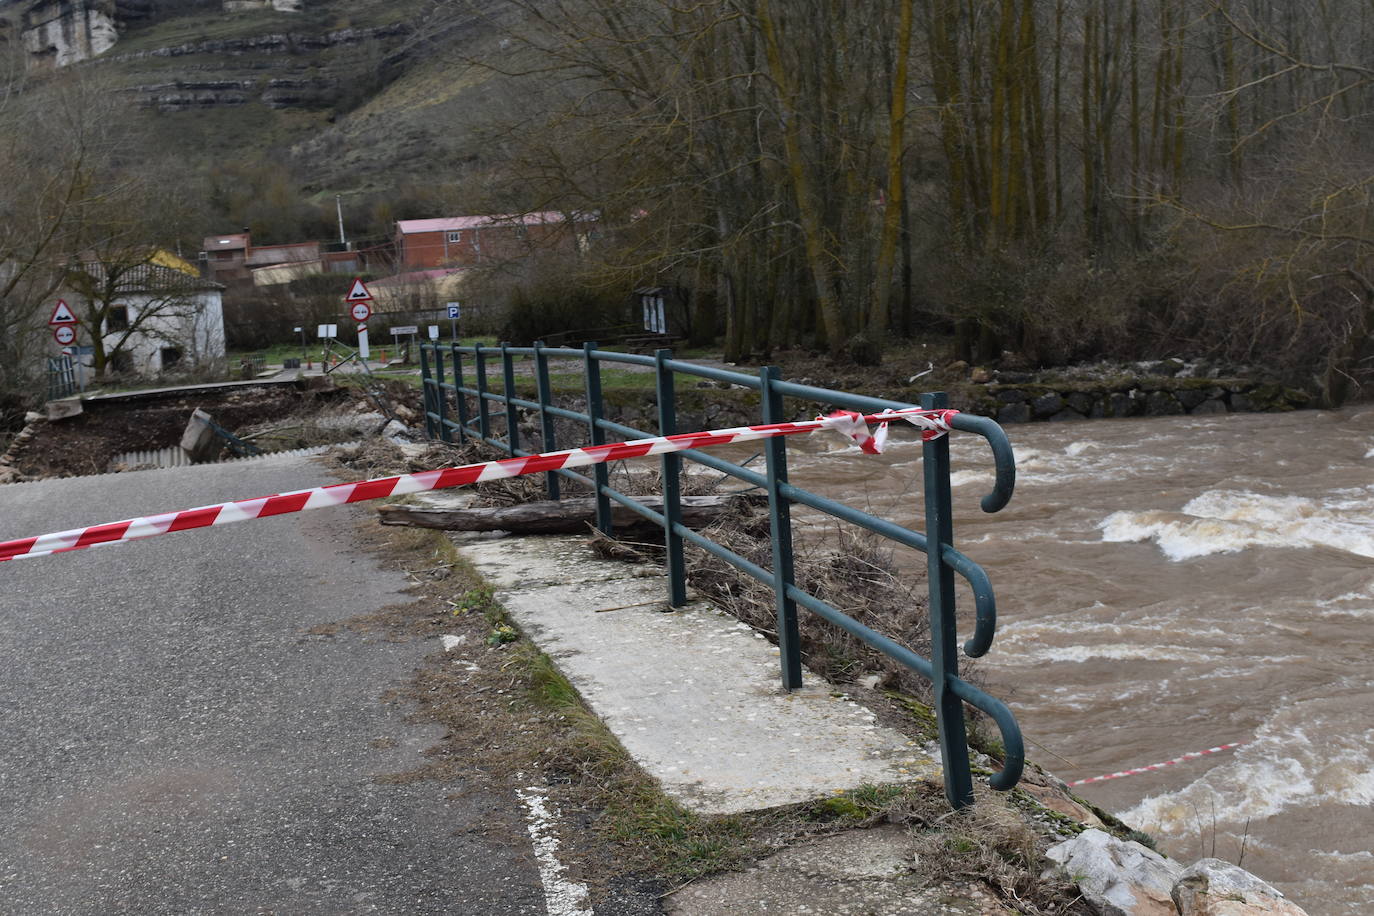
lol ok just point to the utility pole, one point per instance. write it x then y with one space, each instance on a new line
338 208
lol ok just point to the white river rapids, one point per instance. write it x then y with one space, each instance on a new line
1169 585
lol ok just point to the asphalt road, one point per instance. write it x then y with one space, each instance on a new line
173 740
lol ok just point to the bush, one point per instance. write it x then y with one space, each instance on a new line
549 304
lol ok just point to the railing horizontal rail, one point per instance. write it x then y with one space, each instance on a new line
941 669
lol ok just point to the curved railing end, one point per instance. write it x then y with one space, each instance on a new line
1013 746
1003 460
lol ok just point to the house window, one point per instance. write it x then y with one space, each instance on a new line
455 237
171 356
118 319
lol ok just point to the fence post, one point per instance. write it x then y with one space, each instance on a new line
944 636
426 397
512 412
440 400
591 372
780 523
672 483
546 420
458 396
479 367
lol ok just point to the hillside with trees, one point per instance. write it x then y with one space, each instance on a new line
1043 180
1059 179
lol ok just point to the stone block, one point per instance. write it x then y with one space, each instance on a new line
1118 877
61 410
1083 403
1014 413
1211 887
1190 397
1047 405
199 441
1211 405
1162 404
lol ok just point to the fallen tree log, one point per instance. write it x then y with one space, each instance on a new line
566 516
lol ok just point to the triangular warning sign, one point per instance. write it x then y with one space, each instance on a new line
359 292
62 314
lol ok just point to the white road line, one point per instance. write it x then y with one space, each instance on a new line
561 896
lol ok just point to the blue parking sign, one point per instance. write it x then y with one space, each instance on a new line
453 308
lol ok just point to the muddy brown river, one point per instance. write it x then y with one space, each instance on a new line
1170 585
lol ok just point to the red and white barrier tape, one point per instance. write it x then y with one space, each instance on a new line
1159 766
934 423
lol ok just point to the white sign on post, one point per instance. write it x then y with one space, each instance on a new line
327 331
404 329
434 332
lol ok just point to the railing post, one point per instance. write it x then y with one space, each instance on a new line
479 367
591 371
672 483
458 396
944 635
426 398
546 428
439 398
512 412
780 523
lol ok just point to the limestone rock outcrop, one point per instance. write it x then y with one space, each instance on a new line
1119 877
1211 887
1123 878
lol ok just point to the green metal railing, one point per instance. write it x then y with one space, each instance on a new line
447 369
61 377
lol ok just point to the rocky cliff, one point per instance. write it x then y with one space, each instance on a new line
58 33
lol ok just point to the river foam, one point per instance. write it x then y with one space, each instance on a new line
1281 769
1227 521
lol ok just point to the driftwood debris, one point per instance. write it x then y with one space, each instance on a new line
567 516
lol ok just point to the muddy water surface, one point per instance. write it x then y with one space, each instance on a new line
1170 585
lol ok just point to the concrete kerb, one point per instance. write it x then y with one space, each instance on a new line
693 695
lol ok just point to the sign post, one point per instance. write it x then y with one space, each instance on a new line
358 300
63 323
454 313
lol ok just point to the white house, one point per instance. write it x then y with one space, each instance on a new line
165 317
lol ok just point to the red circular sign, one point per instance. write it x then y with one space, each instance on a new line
361 311
64 334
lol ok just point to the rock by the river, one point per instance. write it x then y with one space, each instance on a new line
1211 887
1118 877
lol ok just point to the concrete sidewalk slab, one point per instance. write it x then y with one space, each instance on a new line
694 694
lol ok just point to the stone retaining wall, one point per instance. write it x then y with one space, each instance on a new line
709 406
1126 397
